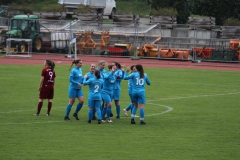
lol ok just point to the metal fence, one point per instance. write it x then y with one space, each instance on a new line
182 42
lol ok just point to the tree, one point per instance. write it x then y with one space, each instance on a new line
182 7
220 9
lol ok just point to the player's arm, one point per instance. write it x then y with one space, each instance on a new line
41 83
147 80
126 77
86 82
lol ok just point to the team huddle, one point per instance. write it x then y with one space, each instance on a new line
104 87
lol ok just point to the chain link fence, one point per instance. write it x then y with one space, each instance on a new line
132 39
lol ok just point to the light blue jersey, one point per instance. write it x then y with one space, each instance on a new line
119 75
95 88
109 82
130 86
75 78
90 75
138 86
102 72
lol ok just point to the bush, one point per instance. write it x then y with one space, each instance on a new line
164 12
231 22
24 8
83 9
53 8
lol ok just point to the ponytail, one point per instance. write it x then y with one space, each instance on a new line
75 61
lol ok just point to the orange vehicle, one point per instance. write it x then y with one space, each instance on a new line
235 44
203 52
148 50
173 53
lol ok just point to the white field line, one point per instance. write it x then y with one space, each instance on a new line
169 109
31 122
197 96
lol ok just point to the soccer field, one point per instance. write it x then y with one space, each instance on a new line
190 114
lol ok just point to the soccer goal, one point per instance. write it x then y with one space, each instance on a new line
19 47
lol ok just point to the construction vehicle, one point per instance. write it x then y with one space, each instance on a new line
119 49
25 27
104 7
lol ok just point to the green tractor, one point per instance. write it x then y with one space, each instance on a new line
25 27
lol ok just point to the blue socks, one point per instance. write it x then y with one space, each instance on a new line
104 111
99 114
78 108
118 110
90 114
129 107
108 112
68 109
141 114
134 110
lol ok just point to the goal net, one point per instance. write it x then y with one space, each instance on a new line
19 47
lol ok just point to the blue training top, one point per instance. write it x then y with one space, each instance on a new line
95 88
138 84
75 78
109 82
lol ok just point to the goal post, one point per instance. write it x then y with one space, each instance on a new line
19 47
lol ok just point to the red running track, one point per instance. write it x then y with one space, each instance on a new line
37 59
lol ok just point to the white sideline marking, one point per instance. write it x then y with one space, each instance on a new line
59 61
32 122
207 95
169 109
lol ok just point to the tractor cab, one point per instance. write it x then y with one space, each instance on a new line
26 27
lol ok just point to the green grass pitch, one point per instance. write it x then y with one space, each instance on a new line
190 114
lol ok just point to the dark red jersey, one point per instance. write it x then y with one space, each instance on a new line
49 76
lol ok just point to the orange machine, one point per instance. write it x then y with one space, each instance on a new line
203 52
173 53
87 43
147 50
235 44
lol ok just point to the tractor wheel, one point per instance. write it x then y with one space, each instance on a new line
22 48
37 44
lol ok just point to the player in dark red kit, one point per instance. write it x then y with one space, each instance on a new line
46 86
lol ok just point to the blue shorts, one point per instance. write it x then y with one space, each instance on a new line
95 104
131 98
106 97
116 94
139 97
74 93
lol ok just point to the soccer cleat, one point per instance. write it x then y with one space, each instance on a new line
66 118
125 112
111 115
109 121
132 121
88 121
103 121
142 123
136 116
76 116
99 122
48 114
94 118
36 114
117 117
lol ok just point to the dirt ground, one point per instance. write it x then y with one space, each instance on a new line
59 59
